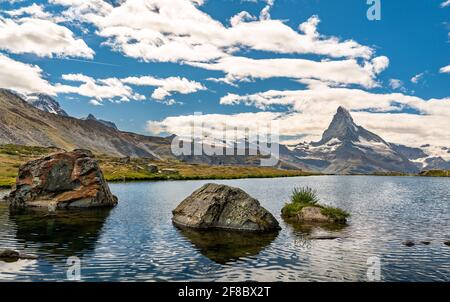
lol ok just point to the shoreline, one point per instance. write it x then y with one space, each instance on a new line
162 178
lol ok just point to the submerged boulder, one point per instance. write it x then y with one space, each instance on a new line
223 207
62 180
9 255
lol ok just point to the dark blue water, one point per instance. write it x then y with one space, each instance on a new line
137 241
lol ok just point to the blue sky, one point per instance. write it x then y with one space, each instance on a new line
393 76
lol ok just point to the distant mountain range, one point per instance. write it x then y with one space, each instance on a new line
345 148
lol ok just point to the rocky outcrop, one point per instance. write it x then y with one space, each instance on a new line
152 168
62 180
313 214
223 207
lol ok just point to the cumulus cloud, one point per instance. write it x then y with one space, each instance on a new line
99 89
177 30
22 77
41 37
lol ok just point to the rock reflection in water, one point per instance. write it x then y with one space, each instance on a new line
224 247
64 233
304 232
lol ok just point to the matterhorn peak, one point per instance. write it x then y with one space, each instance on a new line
344 129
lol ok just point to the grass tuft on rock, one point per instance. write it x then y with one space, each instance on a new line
307 197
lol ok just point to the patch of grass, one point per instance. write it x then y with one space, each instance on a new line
19 150
292 209
7 182
338 215
305 195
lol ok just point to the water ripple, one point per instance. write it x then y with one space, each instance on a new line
137 242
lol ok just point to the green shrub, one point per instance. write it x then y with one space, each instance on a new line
305 195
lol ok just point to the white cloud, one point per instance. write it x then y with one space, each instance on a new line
243 16
212 123
100 89
118 90
177 30
22 77
265 12
345 71
160 94
417 78
169 102
327 99
41 37
34 10
445 69
95 102
166 86
395 83
445 3
379 64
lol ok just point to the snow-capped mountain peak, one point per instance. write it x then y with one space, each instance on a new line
344 129
45 103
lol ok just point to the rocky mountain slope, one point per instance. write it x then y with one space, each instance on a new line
22 124
45 103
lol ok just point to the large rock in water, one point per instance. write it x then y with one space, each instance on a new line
223 207
62 180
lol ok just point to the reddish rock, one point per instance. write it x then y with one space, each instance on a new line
62 180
